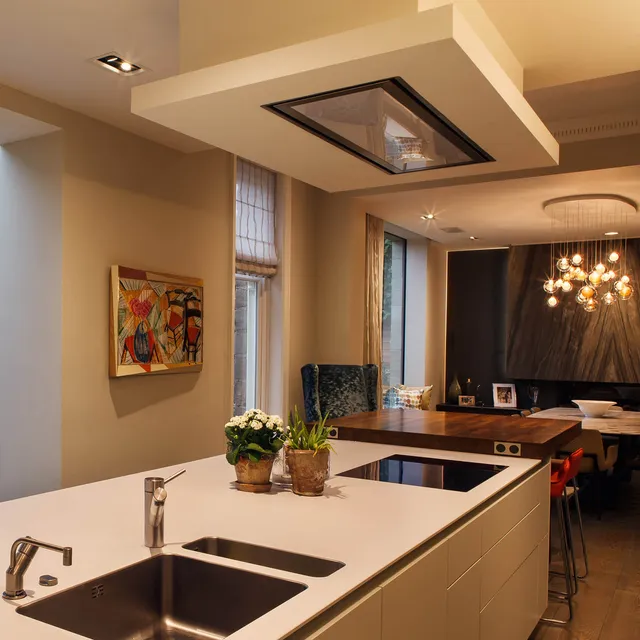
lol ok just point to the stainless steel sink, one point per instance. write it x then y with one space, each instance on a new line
164 598
266 557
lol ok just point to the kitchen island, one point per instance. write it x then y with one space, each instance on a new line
419 562
503 435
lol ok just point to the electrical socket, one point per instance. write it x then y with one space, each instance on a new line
507 448
333 433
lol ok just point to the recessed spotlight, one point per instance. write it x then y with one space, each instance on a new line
611 233
428 216
118 64
473 238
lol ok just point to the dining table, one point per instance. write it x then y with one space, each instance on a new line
615 422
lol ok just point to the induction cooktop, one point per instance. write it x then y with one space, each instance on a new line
451 475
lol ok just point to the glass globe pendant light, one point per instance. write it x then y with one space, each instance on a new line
626 292
608 298
590 305
552 302
595 278
549 286
587 292
577 259
614 256
567 286
563 264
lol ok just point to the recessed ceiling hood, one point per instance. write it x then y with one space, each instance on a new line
406 101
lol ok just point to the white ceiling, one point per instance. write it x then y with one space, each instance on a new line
503 212
437 52
563 41
14 126
45 46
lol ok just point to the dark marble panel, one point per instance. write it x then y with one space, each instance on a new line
566 343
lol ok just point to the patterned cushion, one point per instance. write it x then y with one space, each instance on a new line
409 398
426 394
390 398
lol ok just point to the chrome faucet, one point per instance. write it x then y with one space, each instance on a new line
154 498
23 550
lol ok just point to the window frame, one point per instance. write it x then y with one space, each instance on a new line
404 243
253 372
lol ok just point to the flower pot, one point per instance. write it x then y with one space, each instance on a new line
308 471
254 476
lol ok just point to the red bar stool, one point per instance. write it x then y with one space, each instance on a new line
559 477
572 491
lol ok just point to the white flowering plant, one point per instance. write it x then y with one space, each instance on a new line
254 435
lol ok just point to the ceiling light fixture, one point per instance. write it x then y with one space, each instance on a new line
118 64
386 123
473 238
428 216
582 260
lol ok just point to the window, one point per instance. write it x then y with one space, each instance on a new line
256 260
245 348
393 309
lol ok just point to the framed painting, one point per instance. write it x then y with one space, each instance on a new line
504 395
156 323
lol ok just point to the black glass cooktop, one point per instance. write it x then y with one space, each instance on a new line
452 475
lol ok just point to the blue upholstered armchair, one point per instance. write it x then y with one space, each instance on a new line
340 389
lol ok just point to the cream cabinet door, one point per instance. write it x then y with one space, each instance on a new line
414 600
463 606
360 621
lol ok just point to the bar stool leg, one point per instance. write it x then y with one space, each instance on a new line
566 597
584 548
569 533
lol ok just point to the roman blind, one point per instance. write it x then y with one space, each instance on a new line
255 220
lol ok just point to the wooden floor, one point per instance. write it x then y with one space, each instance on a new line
607 606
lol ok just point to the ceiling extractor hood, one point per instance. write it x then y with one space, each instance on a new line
406 101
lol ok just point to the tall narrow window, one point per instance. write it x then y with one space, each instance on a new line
256 260
393 309
245 355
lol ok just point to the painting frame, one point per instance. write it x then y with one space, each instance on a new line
504 395
467 401
122 359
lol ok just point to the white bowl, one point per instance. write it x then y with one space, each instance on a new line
594 408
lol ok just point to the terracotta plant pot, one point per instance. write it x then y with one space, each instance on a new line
308 471
254 476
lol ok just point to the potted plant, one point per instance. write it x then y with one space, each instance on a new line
253 440
308 454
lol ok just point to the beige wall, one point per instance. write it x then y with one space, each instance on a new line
340 277
132 202
436 319
141 205
30 315
214 32
303 255
327 281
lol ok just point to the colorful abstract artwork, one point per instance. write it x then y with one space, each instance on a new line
156 322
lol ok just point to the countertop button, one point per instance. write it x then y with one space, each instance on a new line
48 581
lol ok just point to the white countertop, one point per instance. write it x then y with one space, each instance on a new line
614 422
367 525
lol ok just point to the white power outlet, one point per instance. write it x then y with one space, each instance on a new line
507 448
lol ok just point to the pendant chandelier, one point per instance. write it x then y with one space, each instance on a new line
591 262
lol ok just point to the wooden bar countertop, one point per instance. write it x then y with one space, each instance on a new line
474 433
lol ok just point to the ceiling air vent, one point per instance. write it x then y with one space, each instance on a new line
593 128
451 230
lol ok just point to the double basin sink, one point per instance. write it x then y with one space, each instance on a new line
173 597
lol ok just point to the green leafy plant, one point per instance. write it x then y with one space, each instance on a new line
303 438
254 435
